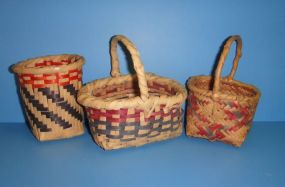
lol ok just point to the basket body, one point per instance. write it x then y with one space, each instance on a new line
114 129
130 126
48 87
224 118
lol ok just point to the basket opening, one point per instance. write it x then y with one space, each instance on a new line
52 62
229 88
130 89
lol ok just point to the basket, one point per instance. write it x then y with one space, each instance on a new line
132 110
224 113
48 86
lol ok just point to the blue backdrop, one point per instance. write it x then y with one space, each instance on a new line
176 39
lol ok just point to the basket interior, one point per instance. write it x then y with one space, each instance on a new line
129 89
51 62
228 88
46 63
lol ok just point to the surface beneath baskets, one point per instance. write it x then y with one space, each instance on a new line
130 89
180 162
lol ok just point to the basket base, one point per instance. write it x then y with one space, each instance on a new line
117 144
66 133
235 139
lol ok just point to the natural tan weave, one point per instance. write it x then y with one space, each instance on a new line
48 86
132 110
224 113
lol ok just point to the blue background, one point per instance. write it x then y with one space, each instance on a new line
176 39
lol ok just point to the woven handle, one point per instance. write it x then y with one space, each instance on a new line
115 72
221 62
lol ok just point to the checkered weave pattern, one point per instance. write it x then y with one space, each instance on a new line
226 112
49 99
132 110
123 127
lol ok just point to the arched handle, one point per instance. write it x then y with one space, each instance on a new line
221 62
139 69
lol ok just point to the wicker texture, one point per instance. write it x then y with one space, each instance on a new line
132 110
48 87
224 113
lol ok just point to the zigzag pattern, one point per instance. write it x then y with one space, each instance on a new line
234 117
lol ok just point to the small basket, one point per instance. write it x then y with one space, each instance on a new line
132 110
48 86
226 112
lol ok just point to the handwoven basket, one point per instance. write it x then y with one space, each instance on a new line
224 113
132 110
48 86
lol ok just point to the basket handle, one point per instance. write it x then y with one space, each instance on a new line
138 66
221 62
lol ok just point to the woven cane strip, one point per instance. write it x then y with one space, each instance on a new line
123 128
50 98
226 113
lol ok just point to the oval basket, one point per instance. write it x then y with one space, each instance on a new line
48 86
224 113
132 110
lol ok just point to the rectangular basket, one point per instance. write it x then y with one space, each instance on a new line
132 110
48 87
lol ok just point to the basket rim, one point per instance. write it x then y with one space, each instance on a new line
86 98
22 66
209 93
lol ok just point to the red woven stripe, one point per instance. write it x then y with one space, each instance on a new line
201 131
39 85
215 126
63 76
73 70
51 81
45 79
219 135
122 116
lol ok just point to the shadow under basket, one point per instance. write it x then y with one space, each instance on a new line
224 113
132 110
48 87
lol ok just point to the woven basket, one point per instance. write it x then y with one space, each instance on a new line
132 110
224 113
48 87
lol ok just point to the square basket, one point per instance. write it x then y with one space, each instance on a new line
224 113
48 87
